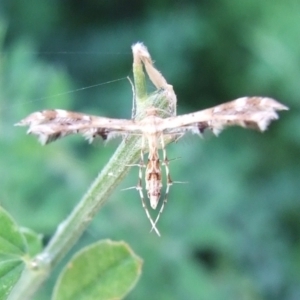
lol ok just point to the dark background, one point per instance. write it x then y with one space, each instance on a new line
231 232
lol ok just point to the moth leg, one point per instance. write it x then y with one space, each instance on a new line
168 177
139 187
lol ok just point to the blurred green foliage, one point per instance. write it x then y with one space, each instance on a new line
233 231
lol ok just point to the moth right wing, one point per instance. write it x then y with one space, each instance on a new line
248 112
50 125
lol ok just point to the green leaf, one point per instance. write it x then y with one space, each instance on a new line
12 251
104 270
10 272
11 239
34 241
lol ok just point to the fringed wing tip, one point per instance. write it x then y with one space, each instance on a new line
217 131
264 121
263 124
21 123
278 106
43 138
35 118
283 107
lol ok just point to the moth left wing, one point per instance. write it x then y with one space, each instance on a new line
249 112
50 125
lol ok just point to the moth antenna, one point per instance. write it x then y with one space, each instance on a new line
169 180
139 187
169 183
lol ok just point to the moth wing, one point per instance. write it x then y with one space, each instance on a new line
50 125
248 112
